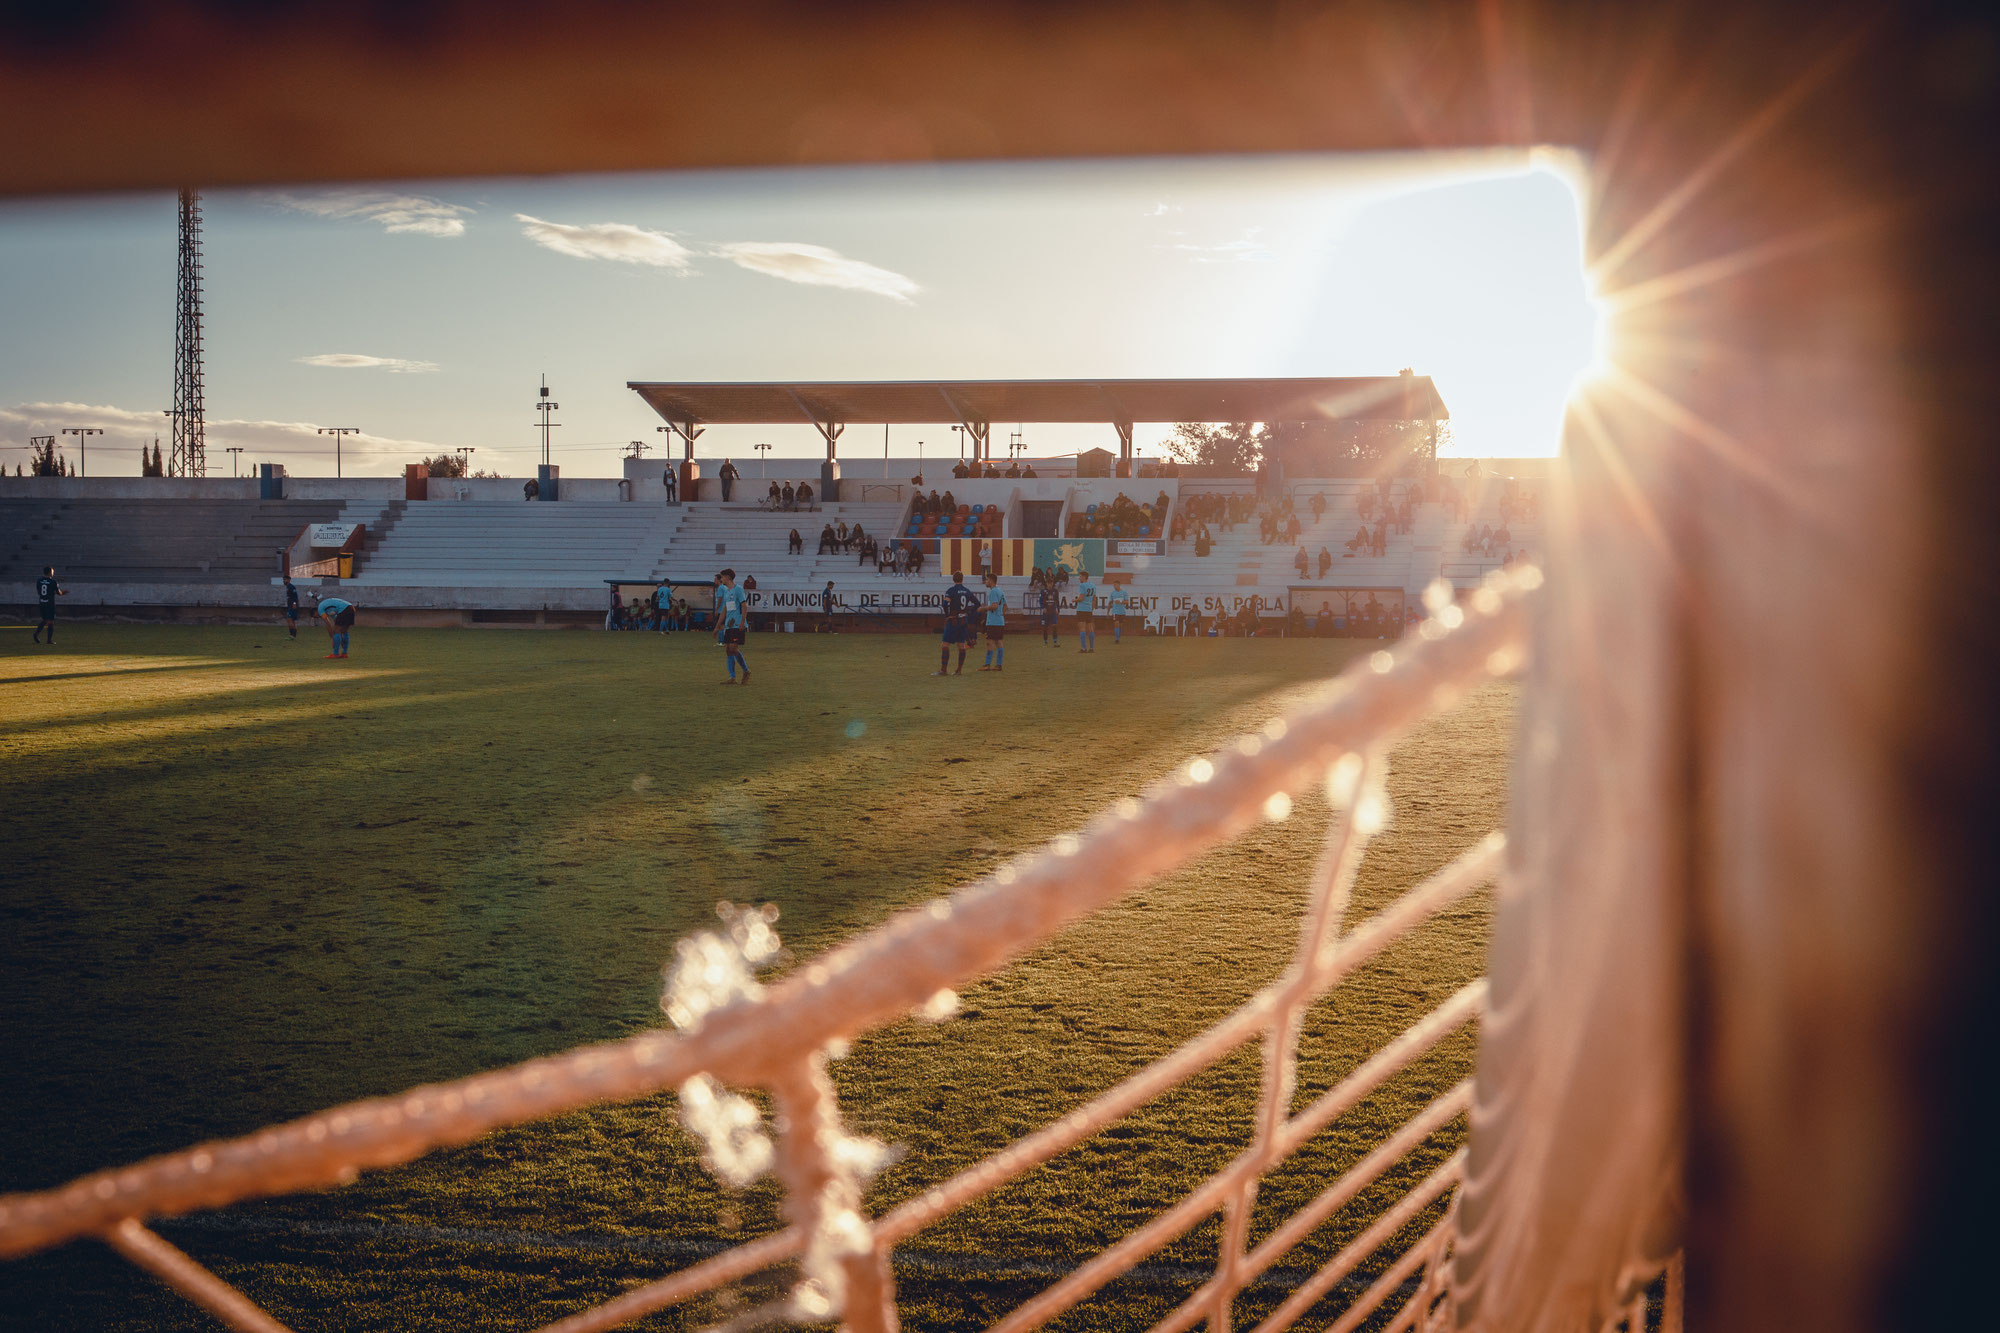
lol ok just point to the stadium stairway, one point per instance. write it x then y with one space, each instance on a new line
511 544
152 541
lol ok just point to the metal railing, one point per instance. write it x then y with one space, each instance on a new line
736 1032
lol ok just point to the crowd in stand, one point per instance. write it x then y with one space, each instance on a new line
963 469
788 497
1489 541
1357 618
1121 516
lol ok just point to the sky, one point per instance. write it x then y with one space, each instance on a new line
426 314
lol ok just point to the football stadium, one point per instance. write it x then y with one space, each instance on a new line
1292 666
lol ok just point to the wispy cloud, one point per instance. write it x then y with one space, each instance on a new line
124 428
395 365
410 213
618 241
1161 210
816 266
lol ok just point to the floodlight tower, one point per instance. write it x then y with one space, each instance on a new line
544 406
190 455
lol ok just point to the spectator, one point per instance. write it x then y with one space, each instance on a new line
916 558
1295 622
1319 505
1323 622
840 535
1325 561
1382 536
960 470
1292 529
992 470
1415 495
855 537
1303 561
1502 538
530 490
797 545
1372 617
950 505
668 483
1013 468
868 550
827 541
805 496
788 497
1361 539
775 499
727 477
1028 471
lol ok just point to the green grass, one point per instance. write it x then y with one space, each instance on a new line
244 883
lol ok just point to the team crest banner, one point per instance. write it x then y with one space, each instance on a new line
1079 555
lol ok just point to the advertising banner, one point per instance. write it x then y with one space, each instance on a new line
1079 555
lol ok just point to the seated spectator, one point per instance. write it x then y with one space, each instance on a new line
828 542
805 495
1382 536
869 549
1318 505
1502 538
1013 469
1361 539
1028 471
992 470
1303 562
950 505
775 498
840 535
1204 541
855 536
797 544
1325 561
790 496
916 558
960 470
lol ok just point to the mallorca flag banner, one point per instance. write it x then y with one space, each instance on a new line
1079 555
986 555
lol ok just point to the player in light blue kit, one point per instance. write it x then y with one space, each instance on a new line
729 603
996 625
1118 604
1086 613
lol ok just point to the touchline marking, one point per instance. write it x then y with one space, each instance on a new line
925 1262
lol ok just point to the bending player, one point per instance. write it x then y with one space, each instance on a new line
1086 613
46 592
337 615
959 601
729 603
996 625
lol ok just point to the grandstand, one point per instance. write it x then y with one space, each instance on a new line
453 556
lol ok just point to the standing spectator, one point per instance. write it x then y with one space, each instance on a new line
668 484
1292 529
1382 536
1318 505
728 477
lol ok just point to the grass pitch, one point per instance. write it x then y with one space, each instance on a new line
244 883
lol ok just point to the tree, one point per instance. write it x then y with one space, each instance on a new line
1333 448
446 465
1236 445
43 460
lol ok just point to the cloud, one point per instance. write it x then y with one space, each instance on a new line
262 440
415 214
395 365
618 241
1160 210
816 266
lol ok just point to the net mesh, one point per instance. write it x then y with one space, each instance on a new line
734 1032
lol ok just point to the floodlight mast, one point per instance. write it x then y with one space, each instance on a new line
83 434
337 432
544 406
190 456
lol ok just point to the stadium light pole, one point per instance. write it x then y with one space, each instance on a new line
232 451
337 432
83 434
762 450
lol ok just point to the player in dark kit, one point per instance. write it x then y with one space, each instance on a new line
46 592
959 602
1051 608
291 608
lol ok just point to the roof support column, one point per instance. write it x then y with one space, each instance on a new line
981 432
1124 429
